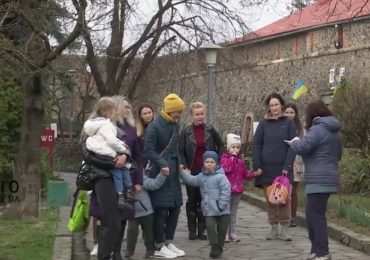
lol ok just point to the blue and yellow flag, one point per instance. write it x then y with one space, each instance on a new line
299 90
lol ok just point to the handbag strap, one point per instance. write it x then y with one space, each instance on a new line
169 142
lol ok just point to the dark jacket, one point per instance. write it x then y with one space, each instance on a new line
129 136
270 152
157 137
321 150
187 143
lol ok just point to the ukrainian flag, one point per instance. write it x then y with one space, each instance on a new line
300 89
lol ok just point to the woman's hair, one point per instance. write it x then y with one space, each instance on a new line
196 105
121 102
277 96
140 124
103 105
297 119
316 109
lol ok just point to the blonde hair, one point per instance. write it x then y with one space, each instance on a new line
196 105
121 102
103 105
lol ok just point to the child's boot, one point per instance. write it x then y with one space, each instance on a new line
215 251
284 233
130 195
274 233
123 203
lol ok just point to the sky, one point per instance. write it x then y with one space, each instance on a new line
269 13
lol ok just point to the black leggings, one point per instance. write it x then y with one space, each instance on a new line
111 229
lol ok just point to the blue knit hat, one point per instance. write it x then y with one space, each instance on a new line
210 154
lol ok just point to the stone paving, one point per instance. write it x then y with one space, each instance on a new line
252 227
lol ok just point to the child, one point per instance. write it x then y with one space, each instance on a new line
143 217
103 141
236 172
215 191
291 111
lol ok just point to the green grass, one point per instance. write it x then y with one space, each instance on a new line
28 239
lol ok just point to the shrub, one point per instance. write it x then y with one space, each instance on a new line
351 106
354 173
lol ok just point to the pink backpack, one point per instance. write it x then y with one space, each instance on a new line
278 191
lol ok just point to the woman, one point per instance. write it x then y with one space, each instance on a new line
273 157
145 115
161 148
104 204
291 111
321 149
195 139
105 197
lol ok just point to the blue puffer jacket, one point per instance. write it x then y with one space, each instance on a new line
215 190
321 150
143 206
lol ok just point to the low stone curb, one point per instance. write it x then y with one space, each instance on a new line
341 234
63 238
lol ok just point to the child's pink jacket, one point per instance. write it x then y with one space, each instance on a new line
235 171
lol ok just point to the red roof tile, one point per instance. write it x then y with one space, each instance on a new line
320 13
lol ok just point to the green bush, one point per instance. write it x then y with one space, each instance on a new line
351 106
10 124
354 173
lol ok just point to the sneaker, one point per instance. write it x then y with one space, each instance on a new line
325 257
234 238
311 256
164 252
94 251
293 223
227 239
174 249
149 253
129 253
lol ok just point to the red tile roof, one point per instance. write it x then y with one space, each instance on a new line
320 13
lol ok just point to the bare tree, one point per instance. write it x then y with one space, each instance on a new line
136 38
26 28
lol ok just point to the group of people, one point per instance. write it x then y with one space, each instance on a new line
138 167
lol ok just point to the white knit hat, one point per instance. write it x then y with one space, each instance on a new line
232 139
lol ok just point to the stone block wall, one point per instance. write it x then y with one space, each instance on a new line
245 75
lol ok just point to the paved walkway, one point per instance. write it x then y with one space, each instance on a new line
252 228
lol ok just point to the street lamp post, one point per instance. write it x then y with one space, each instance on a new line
210 51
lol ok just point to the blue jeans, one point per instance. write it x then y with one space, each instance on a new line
121 179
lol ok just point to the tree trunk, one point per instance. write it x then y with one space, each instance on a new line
28 173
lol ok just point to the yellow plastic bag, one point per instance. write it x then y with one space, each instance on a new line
79 218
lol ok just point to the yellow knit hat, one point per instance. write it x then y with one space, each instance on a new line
173 103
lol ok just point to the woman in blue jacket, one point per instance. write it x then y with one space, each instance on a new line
321 149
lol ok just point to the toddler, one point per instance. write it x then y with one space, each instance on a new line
236 171
215 191
144 217
102 140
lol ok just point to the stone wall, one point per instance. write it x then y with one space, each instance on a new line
246 74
